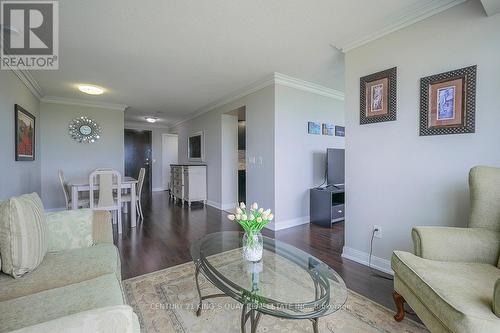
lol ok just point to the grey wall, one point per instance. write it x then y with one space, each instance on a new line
260 143
394 178
157 153
229 167
59 151
300 157
276 134
16 177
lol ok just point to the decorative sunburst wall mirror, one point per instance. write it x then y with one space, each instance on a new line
84 130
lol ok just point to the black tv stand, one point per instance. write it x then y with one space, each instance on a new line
327 205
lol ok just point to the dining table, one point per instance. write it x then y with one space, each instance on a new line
83 185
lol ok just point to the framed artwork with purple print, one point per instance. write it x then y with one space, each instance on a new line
448 102
378 97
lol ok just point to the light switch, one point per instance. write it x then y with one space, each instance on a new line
259 160
251 159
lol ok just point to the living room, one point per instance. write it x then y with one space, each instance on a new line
98 235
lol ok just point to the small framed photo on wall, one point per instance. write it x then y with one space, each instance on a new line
339 131
378 97
313 128
448 102
328 129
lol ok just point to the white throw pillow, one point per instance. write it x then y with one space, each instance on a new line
23 235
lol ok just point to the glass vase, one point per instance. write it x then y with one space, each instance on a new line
253 246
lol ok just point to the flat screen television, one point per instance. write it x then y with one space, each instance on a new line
335 166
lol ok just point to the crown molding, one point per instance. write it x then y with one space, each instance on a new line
292 82
81 102
26 78
274 78
29 81
404 19
491 7
256 86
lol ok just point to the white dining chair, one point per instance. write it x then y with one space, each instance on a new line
128 197
82 202
110 190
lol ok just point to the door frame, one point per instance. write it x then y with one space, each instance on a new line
164 162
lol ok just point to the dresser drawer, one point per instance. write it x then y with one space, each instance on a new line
176 180
177 192
176 171
176 183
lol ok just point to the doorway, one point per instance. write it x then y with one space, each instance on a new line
170 146
242 147
138 154
233 158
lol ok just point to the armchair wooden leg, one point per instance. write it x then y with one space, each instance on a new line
400 306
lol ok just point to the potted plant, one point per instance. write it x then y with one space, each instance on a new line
252 221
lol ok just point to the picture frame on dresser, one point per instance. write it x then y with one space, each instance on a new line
196 147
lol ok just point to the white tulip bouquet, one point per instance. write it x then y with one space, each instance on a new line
252 220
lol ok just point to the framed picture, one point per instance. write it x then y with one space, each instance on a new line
25 134
313 128
196 147
377 97
328 129
339 131
448 102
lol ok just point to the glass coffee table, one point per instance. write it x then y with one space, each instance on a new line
287 283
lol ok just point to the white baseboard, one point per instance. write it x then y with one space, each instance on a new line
361 257
285 224
214 204
229 206
159 189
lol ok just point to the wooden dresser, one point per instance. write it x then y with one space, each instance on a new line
188 182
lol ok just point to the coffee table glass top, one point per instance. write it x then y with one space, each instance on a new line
287 282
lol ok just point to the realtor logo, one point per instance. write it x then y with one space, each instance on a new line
30 35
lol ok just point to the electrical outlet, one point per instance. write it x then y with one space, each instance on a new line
378 231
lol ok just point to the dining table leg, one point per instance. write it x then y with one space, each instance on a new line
74 197
133 203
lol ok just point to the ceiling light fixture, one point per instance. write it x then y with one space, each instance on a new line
90 89
151 119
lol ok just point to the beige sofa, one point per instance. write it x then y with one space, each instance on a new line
453 280
75 288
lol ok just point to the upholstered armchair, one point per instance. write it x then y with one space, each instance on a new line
452 281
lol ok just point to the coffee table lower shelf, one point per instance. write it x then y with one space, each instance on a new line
247 312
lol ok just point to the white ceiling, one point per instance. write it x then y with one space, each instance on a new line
169 58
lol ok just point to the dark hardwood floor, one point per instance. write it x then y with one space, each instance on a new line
164 238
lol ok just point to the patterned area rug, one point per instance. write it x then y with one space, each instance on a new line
166 301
